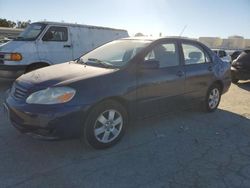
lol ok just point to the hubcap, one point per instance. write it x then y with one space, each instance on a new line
214 98
108 126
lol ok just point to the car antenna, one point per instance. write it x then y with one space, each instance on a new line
182 31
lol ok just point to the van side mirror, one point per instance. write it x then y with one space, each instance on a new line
149 64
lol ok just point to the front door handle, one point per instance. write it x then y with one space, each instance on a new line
67 46
180 73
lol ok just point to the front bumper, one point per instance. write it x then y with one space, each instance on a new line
45 122
11 72
240 74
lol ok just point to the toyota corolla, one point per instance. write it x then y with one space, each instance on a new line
94 96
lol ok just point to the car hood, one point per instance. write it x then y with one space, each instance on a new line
16 46
62 74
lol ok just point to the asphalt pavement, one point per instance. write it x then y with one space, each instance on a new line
186 149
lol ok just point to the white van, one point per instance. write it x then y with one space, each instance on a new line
47 43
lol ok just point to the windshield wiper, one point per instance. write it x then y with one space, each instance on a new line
103 63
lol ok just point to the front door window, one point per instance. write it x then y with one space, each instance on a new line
166 54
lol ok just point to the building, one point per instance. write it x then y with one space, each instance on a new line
232 42
212 42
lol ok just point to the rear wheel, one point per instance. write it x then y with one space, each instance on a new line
105 124
213 98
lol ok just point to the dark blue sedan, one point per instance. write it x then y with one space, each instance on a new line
94 96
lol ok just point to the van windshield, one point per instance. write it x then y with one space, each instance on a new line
31 32
114 54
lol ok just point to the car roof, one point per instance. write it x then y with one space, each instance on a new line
146 38
244 57
78 25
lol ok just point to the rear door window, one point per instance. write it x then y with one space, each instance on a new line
194 54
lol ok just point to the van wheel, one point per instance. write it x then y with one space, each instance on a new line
213 98
33 67
105 124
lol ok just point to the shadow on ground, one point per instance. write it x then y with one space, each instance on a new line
244 85
183 149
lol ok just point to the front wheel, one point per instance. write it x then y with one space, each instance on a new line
213 98
105 124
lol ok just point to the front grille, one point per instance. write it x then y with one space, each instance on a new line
19 92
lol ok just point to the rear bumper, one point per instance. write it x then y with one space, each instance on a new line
240 74
11 72
45 122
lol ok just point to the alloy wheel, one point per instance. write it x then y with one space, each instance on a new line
108 126
214 98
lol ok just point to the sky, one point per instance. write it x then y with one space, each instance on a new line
212 18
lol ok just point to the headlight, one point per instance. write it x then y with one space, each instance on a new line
52 95
12 56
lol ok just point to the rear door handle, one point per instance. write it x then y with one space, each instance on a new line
180 73
210 68
67 46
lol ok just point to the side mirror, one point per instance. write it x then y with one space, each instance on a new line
149 64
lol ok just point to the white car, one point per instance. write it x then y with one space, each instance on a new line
47 43
223 55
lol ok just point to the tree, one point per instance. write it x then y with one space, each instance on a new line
139 35
6 23
21 24
11 24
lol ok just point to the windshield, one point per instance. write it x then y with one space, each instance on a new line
31 32
114 54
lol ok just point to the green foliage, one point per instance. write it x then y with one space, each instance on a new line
9 23
21 24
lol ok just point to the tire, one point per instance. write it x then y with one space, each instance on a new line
105 124
213 97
